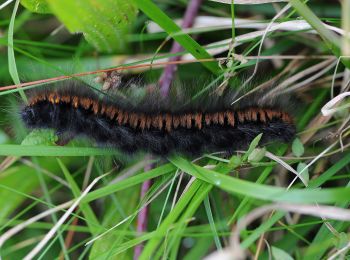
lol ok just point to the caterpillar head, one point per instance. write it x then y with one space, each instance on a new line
35 117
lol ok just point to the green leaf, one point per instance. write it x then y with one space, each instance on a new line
235 161
303 171
104 23
252 146
280 254
40 137
297 147
3 137
37 6
257 154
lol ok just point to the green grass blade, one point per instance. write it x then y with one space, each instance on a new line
212 223
37 150
314 184
323 233
129 182
167 223
177 233
331 39
259 191
11 53
164 21
330 172
89 215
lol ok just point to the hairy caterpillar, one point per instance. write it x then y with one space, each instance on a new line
154 124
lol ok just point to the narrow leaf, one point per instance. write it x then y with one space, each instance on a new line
168 25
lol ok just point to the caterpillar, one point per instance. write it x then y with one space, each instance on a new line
153 124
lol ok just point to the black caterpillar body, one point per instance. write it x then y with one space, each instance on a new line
156 125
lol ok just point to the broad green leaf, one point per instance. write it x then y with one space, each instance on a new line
104 23
40 137
36 6
297 147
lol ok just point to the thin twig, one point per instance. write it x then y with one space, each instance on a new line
76 75
158 64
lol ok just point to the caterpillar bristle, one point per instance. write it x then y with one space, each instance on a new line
162 131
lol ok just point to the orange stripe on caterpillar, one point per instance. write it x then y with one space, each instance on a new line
164 121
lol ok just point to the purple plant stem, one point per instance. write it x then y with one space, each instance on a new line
165 83
169 71
143 214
